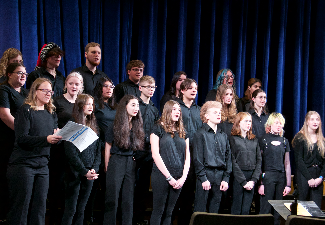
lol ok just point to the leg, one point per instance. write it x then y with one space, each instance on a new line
114 178
280 185
170 204
127 191
160 189
247 195
41 187
269 191
317 192
201 198
20 183
215 200
84 193
238 194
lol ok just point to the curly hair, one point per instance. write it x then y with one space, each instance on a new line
175 78
251 82
134 63
236 131
228 111
98 93
123 138
167 123
9 54
206 106
79 115
32 98
305 134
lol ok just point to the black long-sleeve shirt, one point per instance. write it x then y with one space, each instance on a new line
191 118
57 81
211 151
81 162
63 109
258 123
90 79
306 158
246 155
32 128
171 150
126 88
272 153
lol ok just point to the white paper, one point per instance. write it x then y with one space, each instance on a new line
80 135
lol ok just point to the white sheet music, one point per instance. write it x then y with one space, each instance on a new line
81 136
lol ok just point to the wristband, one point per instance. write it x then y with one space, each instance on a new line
289 186
321 177
169 178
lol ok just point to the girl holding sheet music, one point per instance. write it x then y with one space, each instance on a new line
83 166
28 174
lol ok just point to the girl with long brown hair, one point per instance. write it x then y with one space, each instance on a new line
170 151
125 137
83 166
309 150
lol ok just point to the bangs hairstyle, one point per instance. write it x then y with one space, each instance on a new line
77 75
53 52
271 120
175 78
206 106
9 54
11 68
228 112
255 93
91 44
32 98
148 79
167 123
236 131
251 82
122 135
98 93
186 84
134 63
79 115
319 134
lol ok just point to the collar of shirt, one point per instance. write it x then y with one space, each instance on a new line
252 111
207 128
86 69
180 101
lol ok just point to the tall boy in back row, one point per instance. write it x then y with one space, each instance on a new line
150 115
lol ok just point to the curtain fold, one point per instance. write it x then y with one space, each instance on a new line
280 42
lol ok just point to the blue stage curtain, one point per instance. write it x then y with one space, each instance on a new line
279 42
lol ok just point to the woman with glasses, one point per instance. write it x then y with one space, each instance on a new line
63 108
259 112
12 96
11 55
28 174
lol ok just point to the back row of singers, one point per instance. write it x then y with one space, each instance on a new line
188 92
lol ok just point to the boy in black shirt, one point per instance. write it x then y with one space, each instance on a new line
150 115
212 159
134 70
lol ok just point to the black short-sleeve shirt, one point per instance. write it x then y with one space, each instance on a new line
171 150
105 119
258 123
115 149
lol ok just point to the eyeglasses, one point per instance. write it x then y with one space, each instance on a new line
137 69
262 97
149 87
109 86
20 73
46 91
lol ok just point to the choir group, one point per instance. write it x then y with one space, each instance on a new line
228 153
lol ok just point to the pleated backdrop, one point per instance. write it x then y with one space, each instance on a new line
280 42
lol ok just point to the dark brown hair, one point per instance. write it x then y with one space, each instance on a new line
134 63
79 115
255 93
186 84
235 131
176 76
251 82
98 93
123 138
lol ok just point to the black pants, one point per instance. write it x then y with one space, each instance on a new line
242 198
307 193
28 188
212 197
142 184
164 198
77 191
274 184
120 176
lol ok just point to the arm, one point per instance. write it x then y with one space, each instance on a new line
199 148
238 173
299 148
72 154
227 172
97 158
6 117
257 170
180 182
154 141
287 166
108 147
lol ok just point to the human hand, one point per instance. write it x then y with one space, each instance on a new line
261 190
53 139
318 181
311 183
206 185
172 182
91 176
223 186
286 191
179 183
